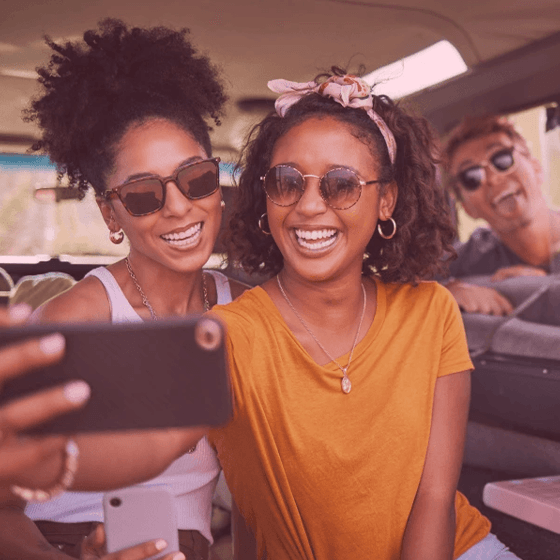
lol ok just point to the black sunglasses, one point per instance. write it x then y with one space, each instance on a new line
340 188
146 195
471 178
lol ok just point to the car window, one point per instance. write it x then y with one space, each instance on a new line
34 223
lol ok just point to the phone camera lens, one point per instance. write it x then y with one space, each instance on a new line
208 334
115 502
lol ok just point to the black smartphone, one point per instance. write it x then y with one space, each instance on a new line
156 374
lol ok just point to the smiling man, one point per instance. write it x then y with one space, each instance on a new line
493 175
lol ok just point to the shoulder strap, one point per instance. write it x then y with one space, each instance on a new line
121 310
223 289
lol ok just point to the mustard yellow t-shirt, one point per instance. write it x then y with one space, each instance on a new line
319 474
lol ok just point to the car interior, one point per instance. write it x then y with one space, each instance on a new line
495 57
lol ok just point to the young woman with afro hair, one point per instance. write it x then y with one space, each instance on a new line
125 112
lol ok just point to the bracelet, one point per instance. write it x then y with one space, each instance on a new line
71 453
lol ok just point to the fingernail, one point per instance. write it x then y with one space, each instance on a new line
19 312
77 392
161 544
52 344
179 556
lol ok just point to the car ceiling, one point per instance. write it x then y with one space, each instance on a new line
257 40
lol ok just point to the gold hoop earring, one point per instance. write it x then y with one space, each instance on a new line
392 234
116 237
261 226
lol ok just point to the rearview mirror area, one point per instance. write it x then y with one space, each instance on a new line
55 194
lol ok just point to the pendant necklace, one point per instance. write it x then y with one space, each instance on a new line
345 383
147 304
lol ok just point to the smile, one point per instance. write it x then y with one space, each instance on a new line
184 239
316 240
504 195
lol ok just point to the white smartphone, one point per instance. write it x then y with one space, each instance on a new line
138 514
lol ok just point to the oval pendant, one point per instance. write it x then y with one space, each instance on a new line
346 385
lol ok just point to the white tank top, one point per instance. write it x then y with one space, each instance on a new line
192 478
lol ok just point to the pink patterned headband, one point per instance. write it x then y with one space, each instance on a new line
349 91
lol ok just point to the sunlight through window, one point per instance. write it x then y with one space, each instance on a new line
420 70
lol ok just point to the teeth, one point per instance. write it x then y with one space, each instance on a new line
505 194
183 236
316 239
315 234
320 245
185 239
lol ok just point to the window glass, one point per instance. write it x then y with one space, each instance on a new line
430 66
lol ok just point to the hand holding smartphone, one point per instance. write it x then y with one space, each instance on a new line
156 374
94 546
138 514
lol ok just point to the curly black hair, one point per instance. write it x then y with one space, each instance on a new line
425 231
94 90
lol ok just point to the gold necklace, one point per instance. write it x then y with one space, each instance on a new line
144 297
147 303
345 383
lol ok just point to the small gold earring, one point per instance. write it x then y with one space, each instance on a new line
116 237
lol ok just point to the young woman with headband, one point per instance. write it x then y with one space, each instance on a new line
125 111
348 439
